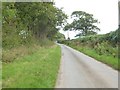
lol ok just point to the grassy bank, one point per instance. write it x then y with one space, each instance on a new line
37 69
101 49
107 59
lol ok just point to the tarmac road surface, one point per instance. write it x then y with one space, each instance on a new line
78 70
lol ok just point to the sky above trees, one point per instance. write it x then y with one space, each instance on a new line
106 11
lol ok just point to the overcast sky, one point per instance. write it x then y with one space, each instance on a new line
106 11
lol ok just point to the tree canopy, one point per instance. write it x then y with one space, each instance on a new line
25 20
83 22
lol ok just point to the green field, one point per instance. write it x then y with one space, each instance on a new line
37 70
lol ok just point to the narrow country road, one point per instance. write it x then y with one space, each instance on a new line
81 71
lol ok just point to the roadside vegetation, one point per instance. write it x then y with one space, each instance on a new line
36 70
30 58
103 48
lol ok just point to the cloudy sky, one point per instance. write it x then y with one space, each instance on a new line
106 11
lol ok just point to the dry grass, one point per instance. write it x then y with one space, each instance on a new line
14 53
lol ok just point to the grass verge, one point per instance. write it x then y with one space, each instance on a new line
38 70
107 59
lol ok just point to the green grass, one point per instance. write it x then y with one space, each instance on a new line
38 70
0 75
107 59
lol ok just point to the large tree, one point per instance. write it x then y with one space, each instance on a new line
83 22
23 21
42 18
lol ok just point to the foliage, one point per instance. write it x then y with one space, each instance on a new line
41 18
83 22
23 21
102 47
60 36
28 49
